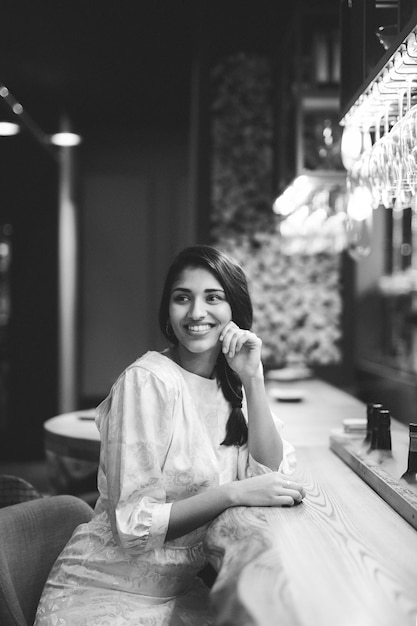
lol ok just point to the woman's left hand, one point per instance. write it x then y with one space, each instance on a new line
242 350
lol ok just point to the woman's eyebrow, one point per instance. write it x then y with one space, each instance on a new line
205 290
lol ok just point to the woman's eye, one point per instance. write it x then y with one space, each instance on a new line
180 299
214 297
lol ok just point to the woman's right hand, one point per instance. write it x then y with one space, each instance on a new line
272 489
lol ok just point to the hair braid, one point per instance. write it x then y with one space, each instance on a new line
236 427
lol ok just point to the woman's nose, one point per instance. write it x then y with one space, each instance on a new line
197 309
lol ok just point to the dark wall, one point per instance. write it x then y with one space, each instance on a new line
29 179
136 214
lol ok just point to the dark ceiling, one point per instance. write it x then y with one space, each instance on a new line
122 62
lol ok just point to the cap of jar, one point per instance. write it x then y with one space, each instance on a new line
384 417
373 405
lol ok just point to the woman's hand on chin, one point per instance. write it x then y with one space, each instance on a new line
242 349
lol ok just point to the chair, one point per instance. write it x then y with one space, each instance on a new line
32 536
14 489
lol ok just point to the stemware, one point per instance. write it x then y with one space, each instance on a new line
409 148
375 173
382 171
358 219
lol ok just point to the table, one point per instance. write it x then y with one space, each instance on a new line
72 450
341 558
73 435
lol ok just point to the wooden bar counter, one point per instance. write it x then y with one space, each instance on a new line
343 557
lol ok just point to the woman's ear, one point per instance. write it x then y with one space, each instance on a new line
168 328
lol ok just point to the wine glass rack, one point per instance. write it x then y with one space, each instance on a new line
396 71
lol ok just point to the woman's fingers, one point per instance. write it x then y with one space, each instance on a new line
293 486
295 495
285 501
228 337
233 338
229 343
291 490
288 497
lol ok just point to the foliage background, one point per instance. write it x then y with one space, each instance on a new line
297 299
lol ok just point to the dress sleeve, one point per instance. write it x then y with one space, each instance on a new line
248 467
135 423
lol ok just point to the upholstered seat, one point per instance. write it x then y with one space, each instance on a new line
14 489
32 535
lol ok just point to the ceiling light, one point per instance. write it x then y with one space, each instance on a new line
9 128
65 139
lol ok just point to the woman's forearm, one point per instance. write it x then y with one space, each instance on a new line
195 511
264 441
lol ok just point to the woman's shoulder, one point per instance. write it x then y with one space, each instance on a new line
155 366
151 373
150 381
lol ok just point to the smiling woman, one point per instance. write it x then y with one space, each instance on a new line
185 434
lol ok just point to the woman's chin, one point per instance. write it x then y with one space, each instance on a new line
201 346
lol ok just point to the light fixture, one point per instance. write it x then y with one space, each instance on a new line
312 214
65 139
294 196
7 129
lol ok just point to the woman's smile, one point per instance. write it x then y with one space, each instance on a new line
198 329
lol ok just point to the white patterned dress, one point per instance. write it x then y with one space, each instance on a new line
160 430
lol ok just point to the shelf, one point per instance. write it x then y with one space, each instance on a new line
318 102
381 88
383 478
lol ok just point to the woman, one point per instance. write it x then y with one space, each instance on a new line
176 451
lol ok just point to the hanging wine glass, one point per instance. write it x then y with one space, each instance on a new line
409 144
409 147
358 223
375 173
397 191
400 153
358 211
400 184
360 203
380 178
409 152
393 160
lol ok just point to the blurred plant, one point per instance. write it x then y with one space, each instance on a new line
297 298
242 140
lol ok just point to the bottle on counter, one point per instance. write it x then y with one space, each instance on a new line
410 475
380 448
372 409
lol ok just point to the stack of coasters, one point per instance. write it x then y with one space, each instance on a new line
354 426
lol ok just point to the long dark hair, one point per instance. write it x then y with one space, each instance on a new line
233 280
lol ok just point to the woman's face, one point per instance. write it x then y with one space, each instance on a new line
198 310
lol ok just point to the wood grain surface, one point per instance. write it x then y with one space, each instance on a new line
343 557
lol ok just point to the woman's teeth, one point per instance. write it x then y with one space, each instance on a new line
201 328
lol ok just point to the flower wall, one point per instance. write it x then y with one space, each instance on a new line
297 298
